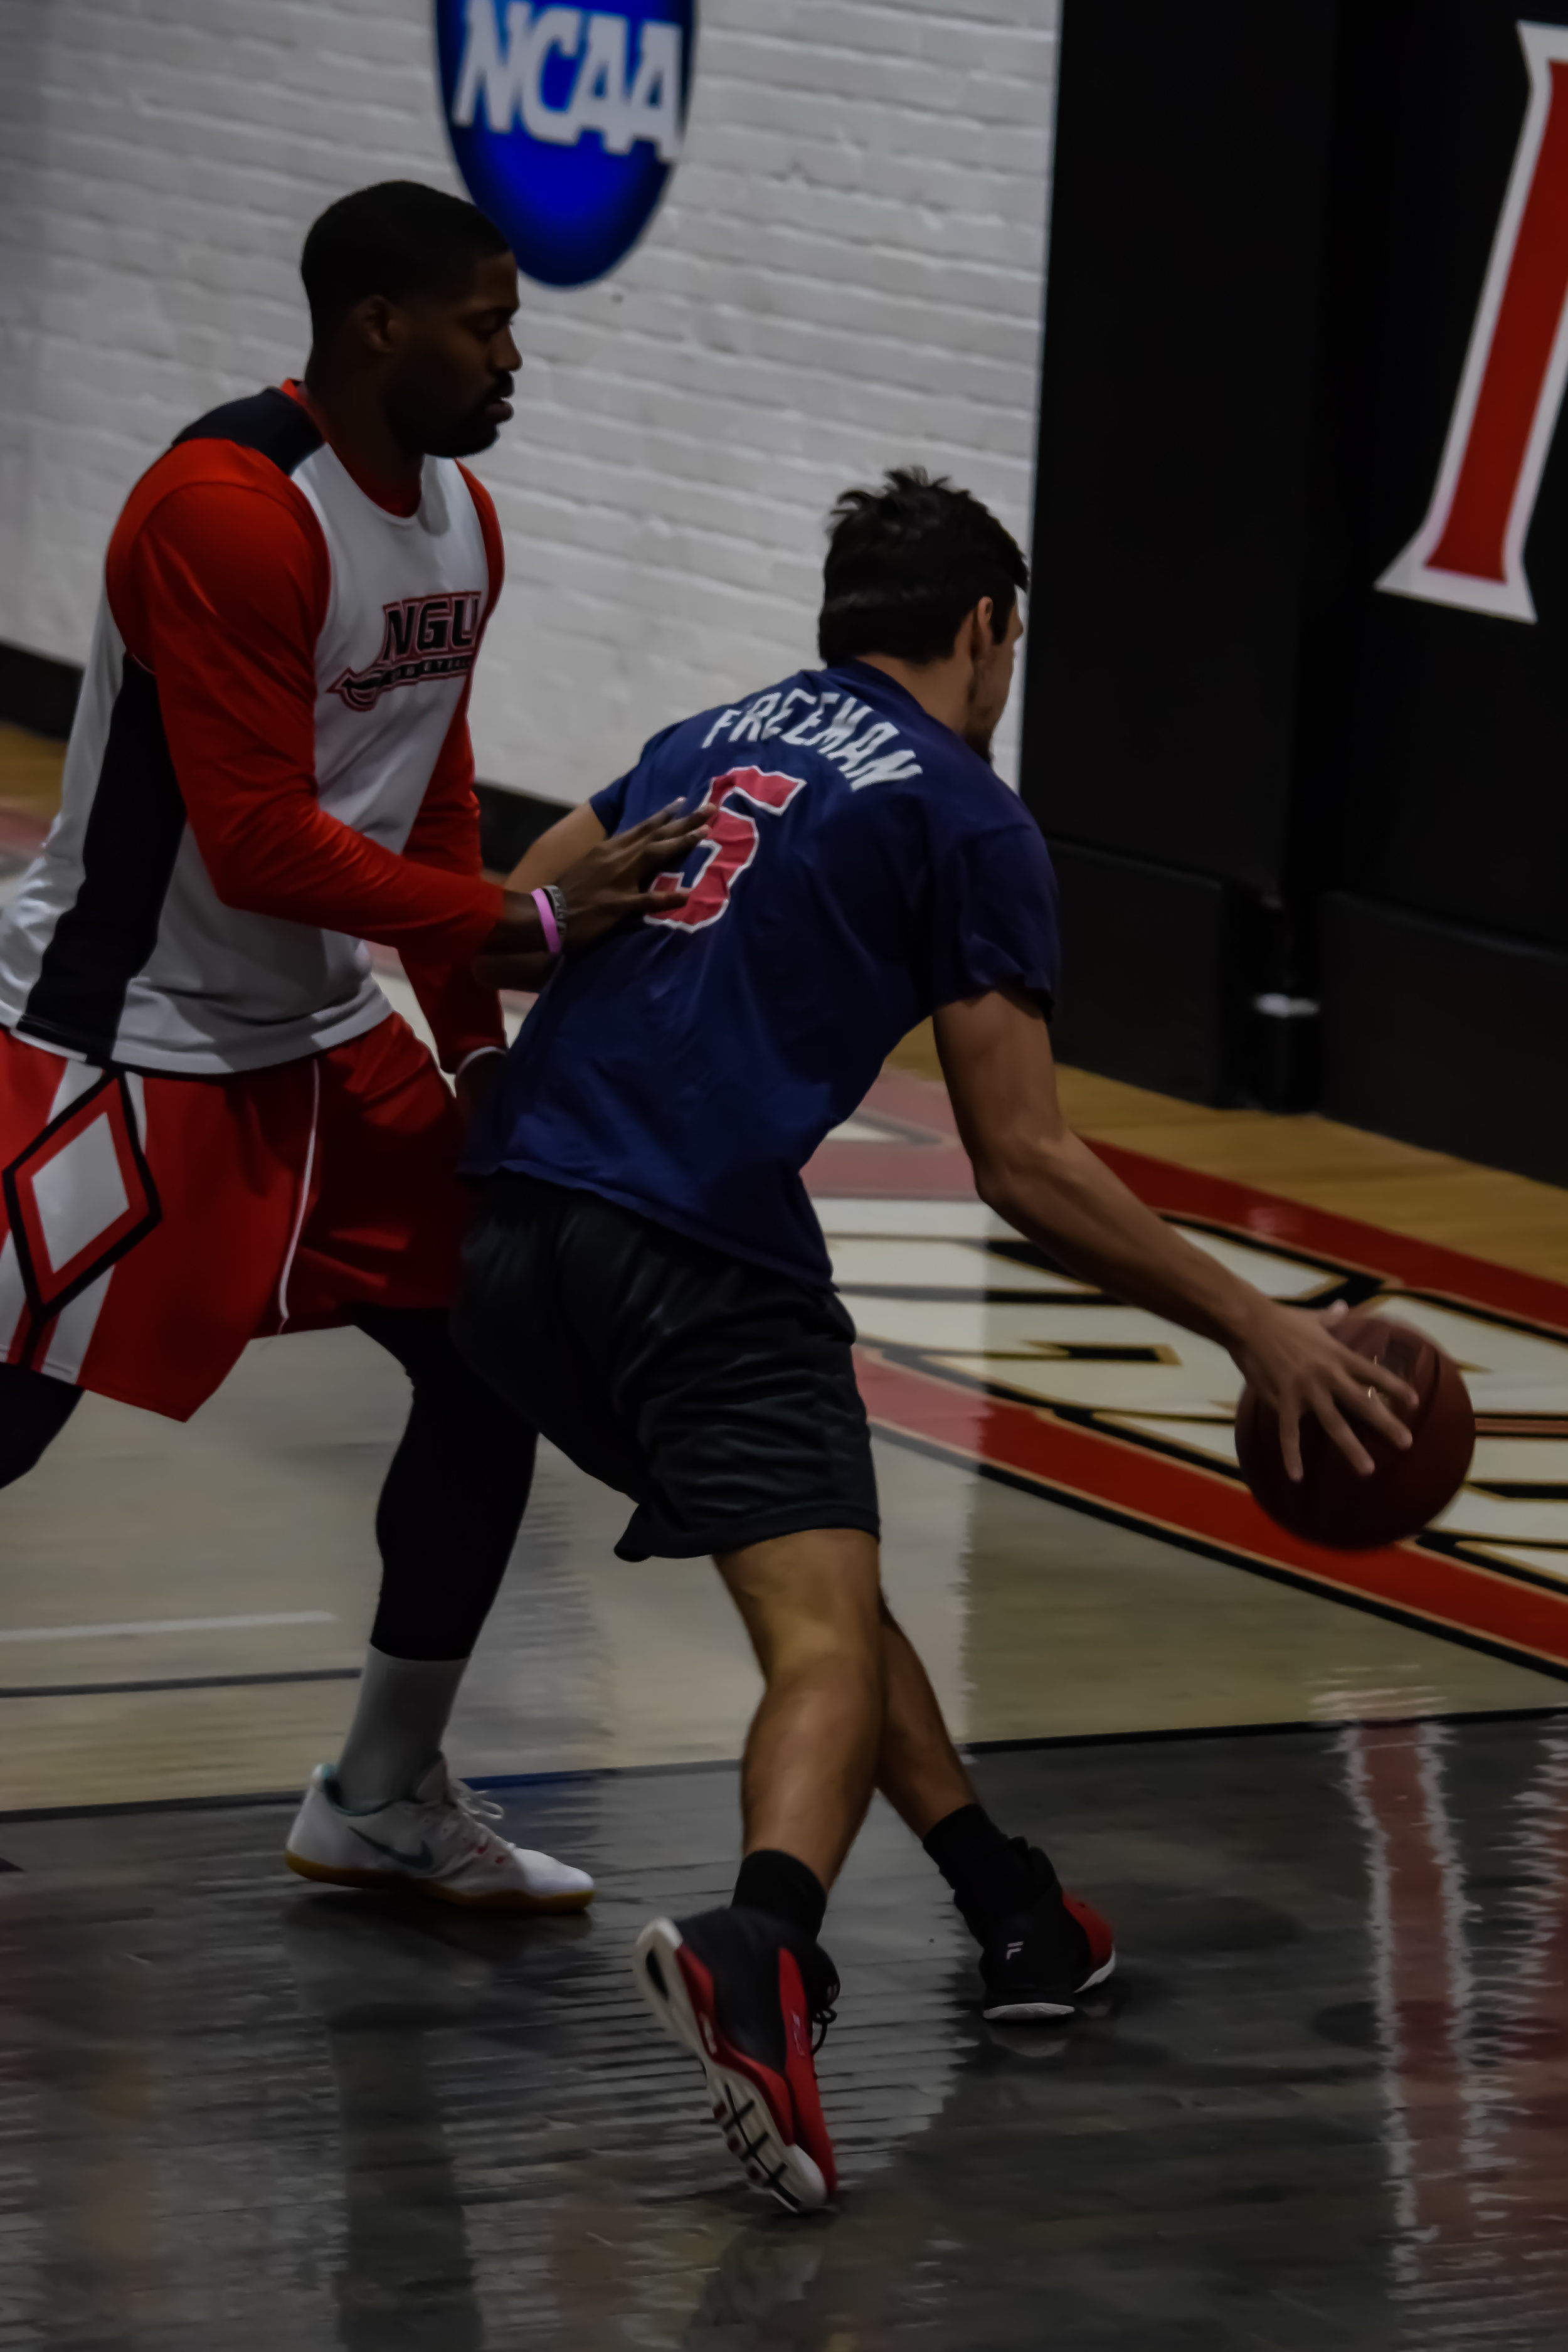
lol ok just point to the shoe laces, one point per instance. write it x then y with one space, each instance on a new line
473 1808
819 2005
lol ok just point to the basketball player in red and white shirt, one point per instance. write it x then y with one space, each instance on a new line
212 1124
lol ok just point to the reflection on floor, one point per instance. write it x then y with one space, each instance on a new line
189 1606
1322 2105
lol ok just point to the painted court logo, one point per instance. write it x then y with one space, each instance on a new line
422 637
566 123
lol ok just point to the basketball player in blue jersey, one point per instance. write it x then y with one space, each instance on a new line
647 1281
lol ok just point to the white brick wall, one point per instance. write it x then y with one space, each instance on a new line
846 273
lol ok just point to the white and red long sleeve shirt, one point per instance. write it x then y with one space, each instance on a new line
270 763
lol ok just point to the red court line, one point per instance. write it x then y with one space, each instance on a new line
1453 1595
1172 1497
1419 1265
941 1169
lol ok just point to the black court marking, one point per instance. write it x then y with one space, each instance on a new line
1322 1726
177 1681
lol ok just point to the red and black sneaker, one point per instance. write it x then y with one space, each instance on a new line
742 1991
1040 1956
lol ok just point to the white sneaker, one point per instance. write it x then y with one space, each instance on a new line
434 1842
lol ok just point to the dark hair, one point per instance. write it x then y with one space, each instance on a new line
397 238
906 562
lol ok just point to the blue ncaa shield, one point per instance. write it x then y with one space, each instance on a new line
566 123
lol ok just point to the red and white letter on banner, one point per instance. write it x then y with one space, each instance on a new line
1470 551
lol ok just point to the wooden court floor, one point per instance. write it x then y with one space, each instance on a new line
183 1608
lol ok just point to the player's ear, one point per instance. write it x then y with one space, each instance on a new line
980 642
377 325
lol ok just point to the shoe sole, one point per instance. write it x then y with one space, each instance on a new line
741 2113
398 1881
1045 2012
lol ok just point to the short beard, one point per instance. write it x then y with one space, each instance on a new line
466 440
452 436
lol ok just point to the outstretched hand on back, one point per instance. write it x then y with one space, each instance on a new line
612 881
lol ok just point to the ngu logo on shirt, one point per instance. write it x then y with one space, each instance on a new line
566 123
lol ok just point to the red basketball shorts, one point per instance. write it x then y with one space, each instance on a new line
152 1225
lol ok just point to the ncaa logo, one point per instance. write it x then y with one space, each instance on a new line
566 123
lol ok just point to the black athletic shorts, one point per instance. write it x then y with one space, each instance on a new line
720 1396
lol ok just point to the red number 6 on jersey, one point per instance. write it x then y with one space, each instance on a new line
731 845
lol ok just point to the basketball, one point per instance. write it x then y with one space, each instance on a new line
1331 1503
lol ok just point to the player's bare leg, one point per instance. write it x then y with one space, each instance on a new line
1038 1949
743 1988
918 1769
810 1604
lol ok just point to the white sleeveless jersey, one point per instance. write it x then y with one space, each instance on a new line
118 946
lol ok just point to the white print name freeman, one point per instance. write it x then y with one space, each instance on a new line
810 721
622 105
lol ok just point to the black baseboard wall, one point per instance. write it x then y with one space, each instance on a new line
1146 957
1184 983
40 694
37 693
1444 1036
510 823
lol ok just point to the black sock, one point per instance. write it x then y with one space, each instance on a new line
776 1882
989 1873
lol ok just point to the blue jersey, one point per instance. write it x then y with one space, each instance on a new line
866 866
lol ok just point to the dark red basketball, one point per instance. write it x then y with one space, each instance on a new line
1333 1504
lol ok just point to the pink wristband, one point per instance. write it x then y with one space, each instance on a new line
547 919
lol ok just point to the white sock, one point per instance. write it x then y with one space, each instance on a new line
401 1720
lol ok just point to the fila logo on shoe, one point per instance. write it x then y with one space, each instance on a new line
1469 550
421 637
1014 1949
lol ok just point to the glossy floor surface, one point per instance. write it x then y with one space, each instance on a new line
1324 2103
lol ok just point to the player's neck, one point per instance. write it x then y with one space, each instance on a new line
355 424
940 688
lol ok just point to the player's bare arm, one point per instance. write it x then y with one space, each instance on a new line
602 881
544 860
1032 1170
555 851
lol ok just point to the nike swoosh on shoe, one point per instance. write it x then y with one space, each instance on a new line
422 1860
